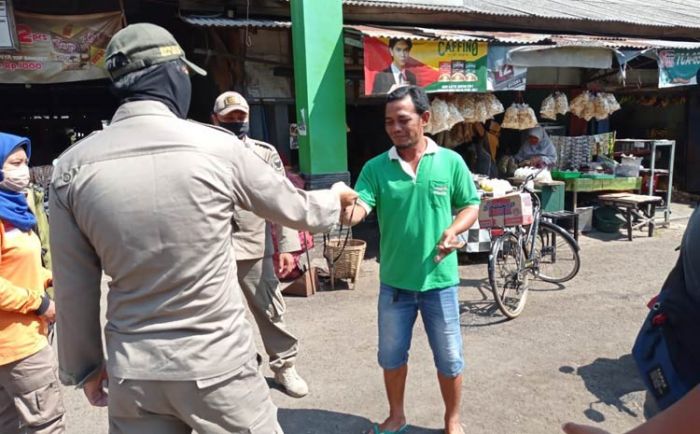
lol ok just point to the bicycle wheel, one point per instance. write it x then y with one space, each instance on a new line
507 275
556 254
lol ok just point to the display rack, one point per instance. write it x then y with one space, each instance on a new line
649 148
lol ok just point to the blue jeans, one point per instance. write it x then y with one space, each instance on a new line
439 308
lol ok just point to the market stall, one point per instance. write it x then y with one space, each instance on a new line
490 89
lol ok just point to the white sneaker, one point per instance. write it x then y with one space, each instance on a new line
291 382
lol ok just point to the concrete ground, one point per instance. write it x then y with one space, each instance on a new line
566 358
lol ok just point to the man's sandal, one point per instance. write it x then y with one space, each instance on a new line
376 430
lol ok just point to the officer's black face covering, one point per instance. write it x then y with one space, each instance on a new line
240 129
167 82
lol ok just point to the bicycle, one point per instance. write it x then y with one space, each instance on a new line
552 255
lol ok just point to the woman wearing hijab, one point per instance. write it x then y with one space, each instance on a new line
536 149
30 396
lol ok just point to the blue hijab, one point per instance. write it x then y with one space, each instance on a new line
13 205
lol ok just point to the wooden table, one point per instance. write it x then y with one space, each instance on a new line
642 207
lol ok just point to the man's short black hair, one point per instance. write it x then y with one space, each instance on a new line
394 41
417 94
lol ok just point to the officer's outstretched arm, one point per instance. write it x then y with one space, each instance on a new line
257 187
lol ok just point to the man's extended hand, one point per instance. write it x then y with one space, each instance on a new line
447 244
94 388
285 264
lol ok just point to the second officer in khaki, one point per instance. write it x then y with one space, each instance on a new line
254 255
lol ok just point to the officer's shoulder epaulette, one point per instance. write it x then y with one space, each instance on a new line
216 127
68 149
262 144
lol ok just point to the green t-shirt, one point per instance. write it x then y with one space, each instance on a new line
413 214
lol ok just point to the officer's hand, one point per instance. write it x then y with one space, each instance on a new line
347 198
50 314
285 264
346 194
573 428
95 388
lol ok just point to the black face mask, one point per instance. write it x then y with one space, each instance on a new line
240 129
167 82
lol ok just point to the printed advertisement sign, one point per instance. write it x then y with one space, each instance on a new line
436 65
678 67
59 48
7 29
503 76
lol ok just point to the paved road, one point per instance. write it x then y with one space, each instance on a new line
566 358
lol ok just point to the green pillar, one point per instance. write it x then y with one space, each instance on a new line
319 78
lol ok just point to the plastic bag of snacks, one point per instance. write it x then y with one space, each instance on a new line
526 117
456 136
510 119
579 103
601 107
454 115
428 129
561 103
482 110
440 112
548 110
494 105
613 105
588 112
465 104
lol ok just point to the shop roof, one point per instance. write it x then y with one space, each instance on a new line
664 13
230 22
416 33
422 33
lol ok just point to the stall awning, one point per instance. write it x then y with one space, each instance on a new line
561 57
538 49
518 38
235 22
423 33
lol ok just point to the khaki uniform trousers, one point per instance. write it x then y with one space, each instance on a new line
30 395
262 291
237 404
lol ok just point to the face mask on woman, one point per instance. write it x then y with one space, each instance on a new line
15 178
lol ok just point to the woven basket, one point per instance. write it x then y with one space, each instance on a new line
349 258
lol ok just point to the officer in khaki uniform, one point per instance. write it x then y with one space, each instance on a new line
150 200
254 252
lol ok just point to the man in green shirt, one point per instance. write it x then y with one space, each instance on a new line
415 188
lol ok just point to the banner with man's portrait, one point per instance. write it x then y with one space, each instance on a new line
436 65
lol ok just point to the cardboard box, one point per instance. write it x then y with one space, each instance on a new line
304 286
509 210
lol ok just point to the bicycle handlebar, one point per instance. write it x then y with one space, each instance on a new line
530 177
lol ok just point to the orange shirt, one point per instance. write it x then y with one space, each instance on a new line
22 283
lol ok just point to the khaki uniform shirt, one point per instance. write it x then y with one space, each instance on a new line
253 239
150 200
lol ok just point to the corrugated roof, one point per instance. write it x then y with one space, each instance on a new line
422 33
666 13
415 33
234 22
